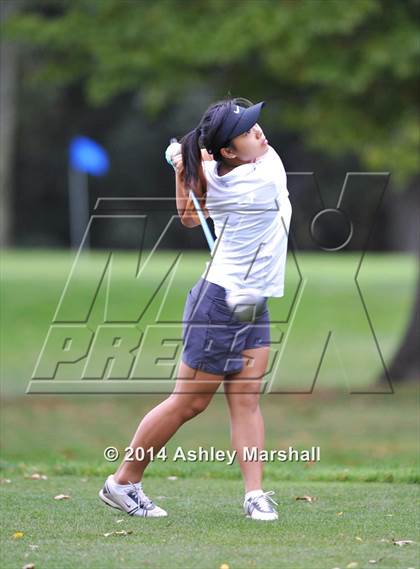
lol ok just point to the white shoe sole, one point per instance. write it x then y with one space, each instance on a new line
116 506
262 519
109 502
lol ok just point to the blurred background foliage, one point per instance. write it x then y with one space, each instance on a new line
344 74
341 81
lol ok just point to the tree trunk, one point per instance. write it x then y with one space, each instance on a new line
8 81
405 229
405 365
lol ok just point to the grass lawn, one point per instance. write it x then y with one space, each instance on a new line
368 470
365 484
352 522
323 299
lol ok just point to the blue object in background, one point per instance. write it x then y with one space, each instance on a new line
85 157
88 156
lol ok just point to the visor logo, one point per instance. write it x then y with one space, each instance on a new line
236 111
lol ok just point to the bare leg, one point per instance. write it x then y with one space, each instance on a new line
193 392
247 424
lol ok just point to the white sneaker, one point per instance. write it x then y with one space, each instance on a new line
131 499
260 507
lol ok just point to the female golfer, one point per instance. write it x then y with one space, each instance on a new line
241 183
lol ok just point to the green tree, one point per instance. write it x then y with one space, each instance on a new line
348 72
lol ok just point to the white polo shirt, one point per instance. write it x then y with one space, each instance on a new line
251 212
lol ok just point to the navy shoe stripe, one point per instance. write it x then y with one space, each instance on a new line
133 511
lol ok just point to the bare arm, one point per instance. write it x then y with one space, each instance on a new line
205 155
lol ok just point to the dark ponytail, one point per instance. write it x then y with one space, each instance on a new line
191 157
203 137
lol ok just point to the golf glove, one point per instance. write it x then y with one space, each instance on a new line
173 149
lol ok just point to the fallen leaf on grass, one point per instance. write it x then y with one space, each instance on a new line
31 546
306 498
340 513
36 476
172 477
401 542
352 565
5 481
122 532
18 534
61 497
373 561
359 538
29 566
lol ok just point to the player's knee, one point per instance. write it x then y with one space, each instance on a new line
198 405
244 402
189 407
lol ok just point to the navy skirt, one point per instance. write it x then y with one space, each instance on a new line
213 338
